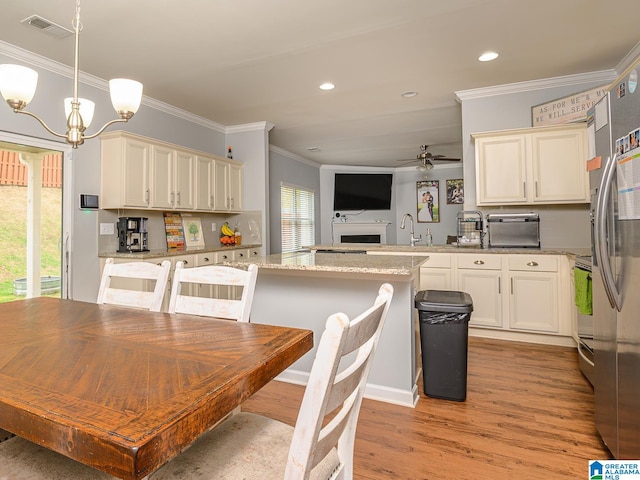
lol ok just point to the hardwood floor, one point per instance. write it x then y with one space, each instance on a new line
528 416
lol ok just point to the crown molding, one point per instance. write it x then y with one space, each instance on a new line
249 127
628 60
604 76
293 156
45 63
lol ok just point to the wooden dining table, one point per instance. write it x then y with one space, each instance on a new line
124 390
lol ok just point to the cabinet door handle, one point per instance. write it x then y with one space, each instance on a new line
524 189
185 262
172 198
499 285
211 201
536 185
224 257
479 262
512 286
146 196
178 198
241 254
532 264
206 259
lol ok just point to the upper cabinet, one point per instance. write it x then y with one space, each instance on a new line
228 186
138 172
542 165
172 175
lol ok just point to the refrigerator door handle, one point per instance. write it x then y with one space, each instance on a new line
602 253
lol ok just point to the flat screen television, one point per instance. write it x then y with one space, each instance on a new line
362 191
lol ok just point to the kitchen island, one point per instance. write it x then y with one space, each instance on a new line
302 289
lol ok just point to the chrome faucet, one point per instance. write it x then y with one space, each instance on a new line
412 239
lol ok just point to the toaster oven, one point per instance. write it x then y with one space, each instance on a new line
513 230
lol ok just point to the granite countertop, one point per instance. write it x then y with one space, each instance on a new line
423 249
337 263
162 253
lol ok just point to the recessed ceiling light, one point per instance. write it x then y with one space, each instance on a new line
313 149
408 94
488 56
327 86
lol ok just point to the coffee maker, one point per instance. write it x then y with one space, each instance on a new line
132 234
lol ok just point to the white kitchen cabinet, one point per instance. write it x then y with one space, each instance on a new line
227 186
138 172
480 275
542 165
559 166
204 183
533 293
185 172
172 176
501 170
436 272
124 173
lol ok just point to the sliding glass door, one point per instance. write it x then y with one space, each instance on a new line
36 201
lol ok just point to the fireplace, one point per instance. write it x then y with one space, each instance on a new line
369 233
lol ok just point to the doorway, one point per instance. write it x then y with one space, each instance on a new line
34 258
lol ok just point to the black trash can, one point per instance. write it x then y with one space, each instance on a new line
444 332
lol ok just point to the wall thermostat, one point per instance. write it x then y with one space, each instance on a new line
88 202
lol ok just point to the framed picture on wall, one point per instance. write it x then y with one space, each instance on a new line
428 201
455 191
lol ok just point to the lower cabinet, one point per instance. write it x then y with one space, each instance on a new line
533 293
480 275
436 274
515 296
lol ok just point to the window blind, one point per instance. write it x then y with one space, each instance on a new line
296 217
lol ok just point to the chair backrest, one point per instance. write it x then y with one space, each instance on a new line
137 298
215 275
336 386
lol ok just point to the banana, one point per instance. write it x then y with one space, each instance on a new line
226 230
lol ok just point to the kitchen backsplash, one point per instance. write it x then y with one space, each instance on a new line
249 224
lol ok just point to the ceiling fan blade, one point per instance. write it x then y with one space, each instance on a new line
445 159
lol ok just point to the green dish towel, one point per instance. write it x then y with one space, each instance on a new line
583 291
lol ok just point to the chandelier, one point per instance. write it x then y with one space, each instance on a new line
18 86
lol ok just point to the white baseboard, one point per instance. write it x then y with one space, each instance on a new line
372 392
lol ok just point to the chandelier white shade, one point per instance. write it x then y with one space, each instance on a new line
18 86
125 95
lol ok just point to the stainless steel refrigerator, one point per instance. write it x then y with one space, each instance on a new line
614 130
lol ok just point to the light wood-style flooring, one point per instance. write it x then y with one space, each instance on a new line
528 416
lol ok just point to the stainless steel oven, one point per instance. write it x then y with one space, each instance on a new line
585 330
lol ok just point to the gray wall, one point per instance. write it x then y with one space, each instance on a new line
560 226
284 167
406 201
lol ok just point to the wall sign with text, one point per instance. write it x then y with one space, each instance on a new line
568 109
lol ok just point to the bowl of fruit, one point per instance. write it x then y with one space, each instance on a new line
227 236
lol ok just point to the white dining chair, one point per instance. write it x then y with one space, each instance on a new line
137 298
213 275
249 446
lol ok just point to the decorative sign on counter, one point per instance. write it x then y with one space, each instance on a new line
175 233
193 231
568 109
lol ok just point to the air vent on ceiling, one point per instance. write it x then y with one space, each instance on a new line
47 26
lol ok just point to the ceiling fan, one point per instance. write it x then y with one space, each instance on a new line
426 159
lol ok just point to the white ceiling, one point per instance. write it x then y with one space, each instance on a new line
245 61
